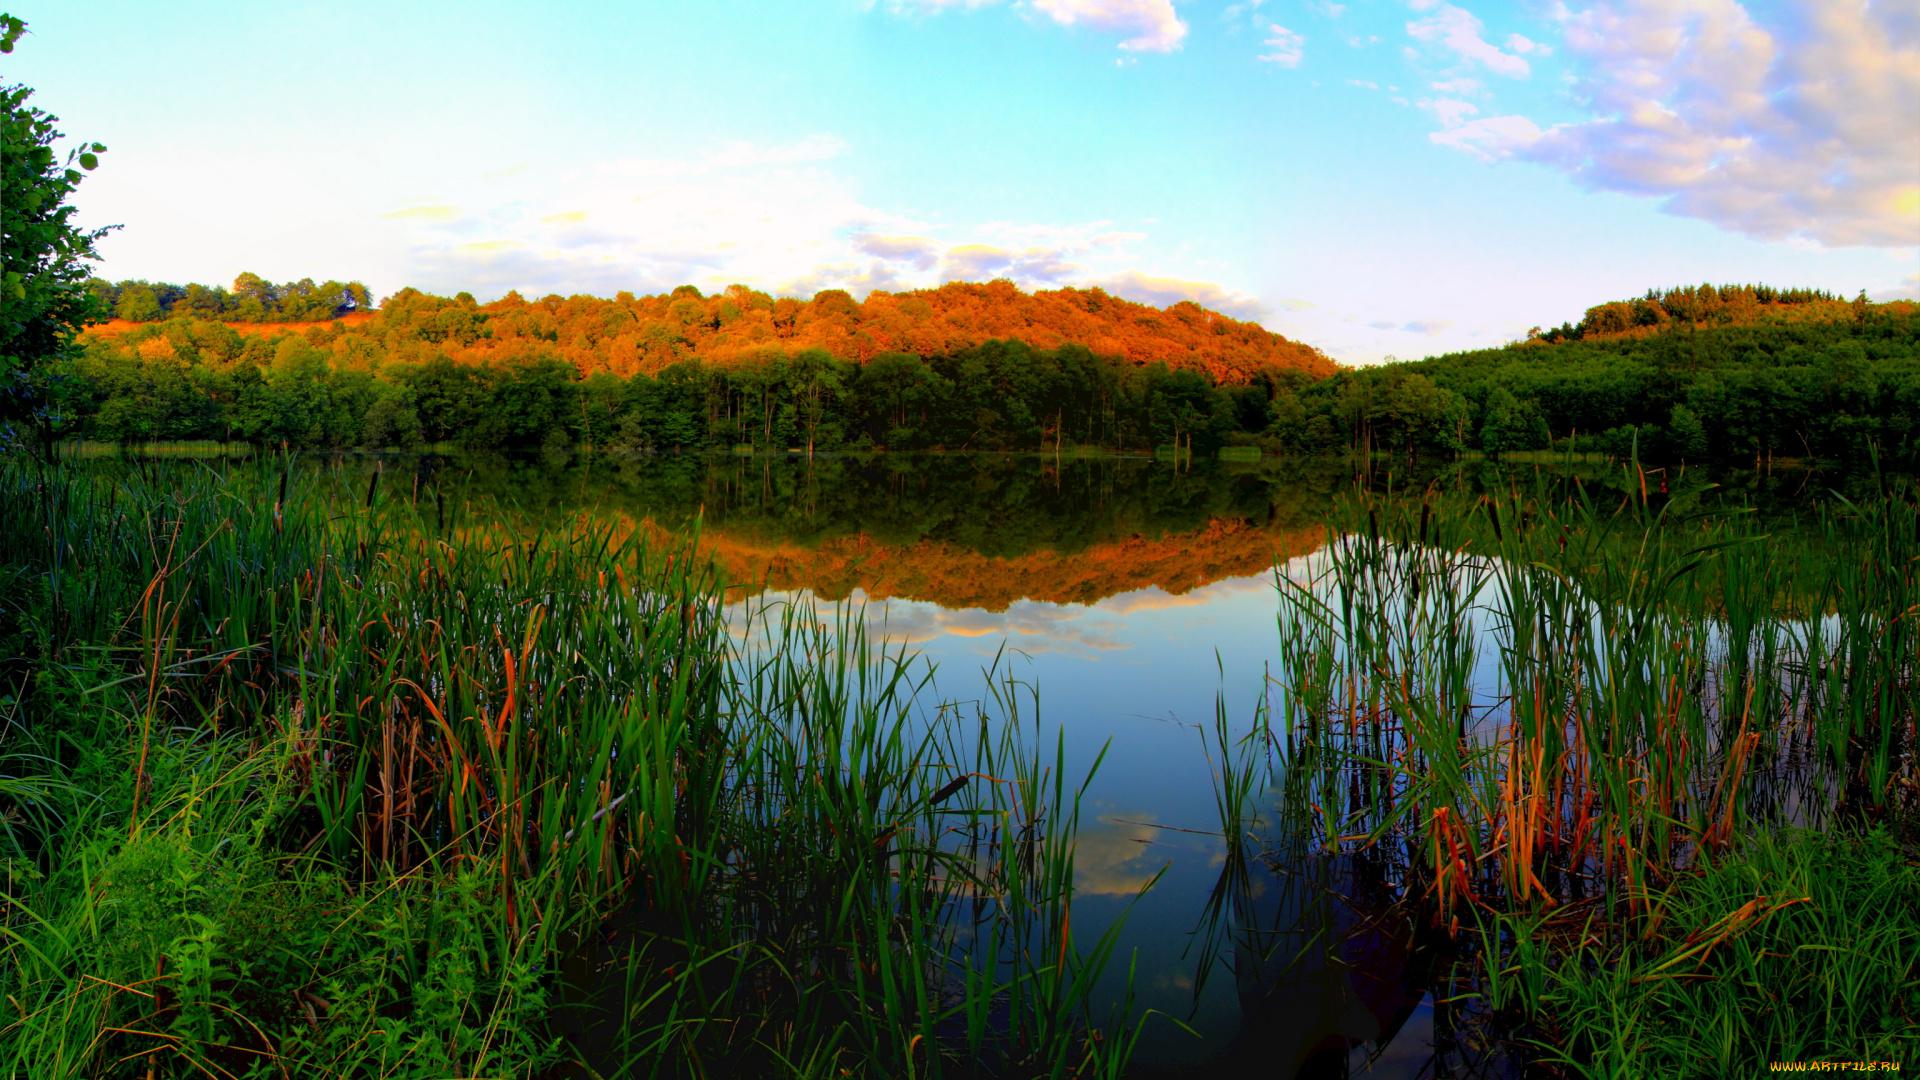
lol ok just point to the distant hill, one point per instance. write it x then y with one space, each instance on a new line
1736 373
960 367
630 335
1709 306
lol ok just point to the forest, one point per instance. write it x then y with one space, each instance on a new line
252 299
1733 373
1699 373
965 366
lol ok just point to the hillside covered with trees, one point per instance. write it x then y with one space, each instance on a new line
962 366
1697 374
1728 373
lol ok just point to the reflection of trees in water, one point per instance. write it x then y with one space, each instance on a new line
992 504
978 530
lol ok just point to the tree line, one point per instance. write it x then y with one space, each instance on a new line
184 380
964 366
630 334
1696 305
1820 379
1747 371
253 299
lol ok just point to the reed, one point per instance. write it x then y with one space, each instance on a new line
1563 722
319 780
187 448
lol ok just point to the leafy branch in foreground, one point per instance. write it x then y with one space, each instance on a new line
44 302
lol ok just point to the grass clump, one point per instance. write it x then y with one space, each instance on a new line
1627 754
308 781
1799 947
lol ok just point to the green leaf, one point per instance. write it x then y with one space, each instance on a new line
88 161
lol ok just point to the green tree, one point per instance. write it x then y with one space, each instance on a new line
44 299
817 380
138 303
1689 435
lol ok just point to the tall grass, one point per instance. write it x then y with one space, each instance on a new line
1579 735
319 781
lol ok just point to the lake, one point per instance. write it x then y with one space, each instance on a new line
1137 599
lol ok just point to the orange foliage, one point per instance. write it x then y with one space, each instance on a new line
1648 316
955 577
116 327
626 335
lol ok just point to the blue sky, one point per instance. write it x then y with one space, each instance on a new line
1374 177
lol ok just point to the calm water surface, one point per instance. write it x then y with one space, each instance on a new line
1137 597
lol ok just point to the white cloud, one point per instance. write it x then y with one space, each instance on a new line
920 251
1030 266
1286 46
1150 25
1429 327
1805 129
1154 25
1488 138
811 148
1458 32
743 212
1449 111
1908 289
1457 86
1518 44
1161 291
934 6
776 217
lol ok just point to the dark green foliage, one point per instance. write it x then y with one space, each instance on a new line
314 777
253 299
1833 389
183 380
43 297
1680 379
1803 947
1578 727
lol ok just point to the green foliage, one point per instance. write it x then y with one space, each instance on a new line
1795 948
1670 390
1691 375
253 299
43 254
1568 722
182 379
326 780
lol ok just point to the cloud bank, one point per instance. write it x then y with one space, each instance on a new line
1806 127
776 217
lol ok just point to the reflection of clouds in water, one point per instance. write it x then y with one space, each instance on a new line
1153 598
1033 626
1120 852
1116 858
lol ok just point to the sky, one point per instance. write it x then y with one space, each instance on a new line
1377 178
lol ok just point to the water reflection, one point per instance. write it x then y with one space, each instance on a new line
1324 964
1139 600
